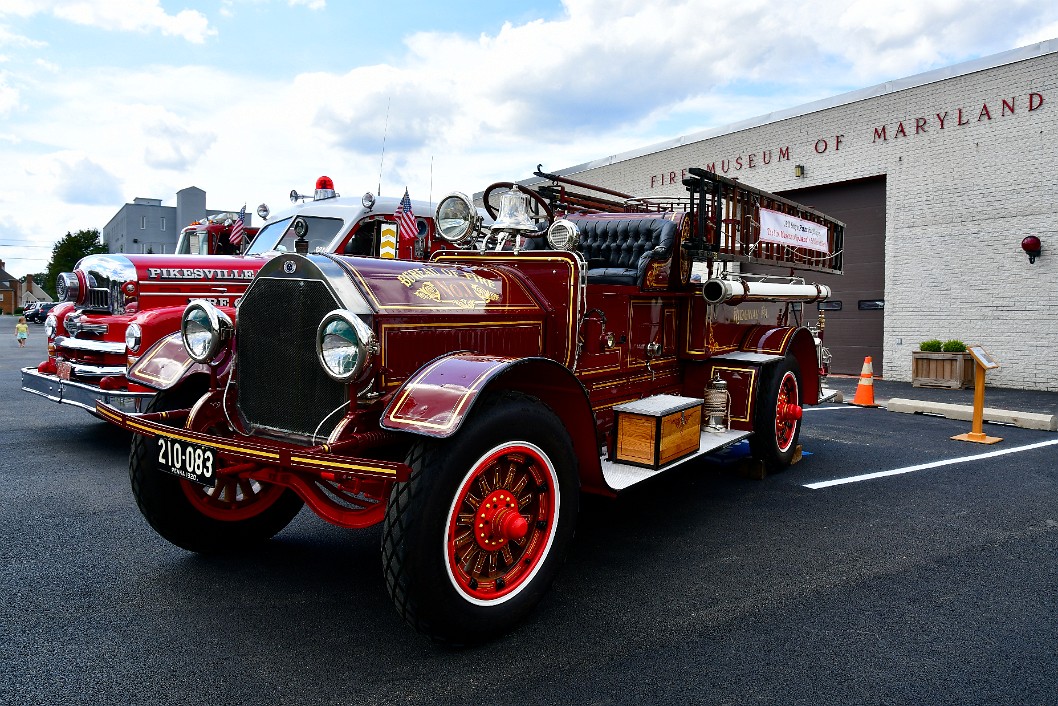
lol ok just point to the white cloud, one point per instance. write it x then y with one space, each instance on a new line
9 96
8 39
1038 34
227 7
81 181
171 145
602 78
127 16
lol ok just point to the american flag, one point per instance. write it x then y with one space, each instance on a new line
237 228
406 226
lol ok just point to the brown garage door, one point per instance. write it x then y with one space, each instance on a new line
855 330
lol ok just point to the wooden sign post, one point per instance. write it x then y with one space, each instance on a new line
983 362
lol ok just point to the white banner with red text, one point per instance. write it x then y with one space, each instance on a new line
776 227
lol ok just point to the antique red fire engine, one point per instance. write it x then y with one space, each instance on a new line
467 401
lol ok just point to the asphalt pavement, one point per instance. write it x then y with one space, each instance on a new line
890 566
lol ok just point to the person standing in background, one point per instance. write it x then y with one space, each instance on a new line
21 331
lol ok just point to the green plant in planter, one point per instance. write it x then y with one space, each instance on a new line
953 346
931 346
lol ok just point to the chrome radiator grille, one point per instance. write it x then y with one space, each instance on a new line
98 299
281 382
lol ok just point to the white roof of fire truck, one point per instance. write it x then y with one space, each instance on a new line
329 205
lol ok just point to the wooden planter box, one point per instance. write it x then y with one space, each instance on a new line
952 370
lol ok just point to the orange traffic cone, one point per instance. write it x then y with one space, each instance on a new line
865 389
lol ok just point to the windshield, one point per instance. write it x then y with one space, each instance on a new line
280 236
190 242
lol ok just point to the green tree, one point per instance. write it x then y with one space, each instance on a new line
71 248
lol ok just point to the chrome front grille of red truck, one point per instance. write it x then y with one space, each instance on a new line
282 385
98 299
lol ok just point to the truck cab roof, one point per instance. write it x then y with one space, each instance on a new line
330 221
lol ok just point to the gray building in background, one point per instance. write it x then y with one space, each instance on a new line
146 226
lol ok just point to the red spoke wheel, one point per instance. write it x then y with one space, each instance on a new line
233 514
501 523
233 499
787 412
777 419
473 539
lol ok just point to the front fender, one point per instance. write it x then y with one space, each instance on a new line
166 364
438 398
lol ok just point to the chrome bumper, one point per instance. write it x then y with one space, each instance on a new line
80 394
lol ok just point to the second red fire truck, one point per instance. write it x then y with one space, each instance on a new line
115 306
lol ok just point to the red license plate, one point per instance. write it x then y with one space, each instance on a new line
63 369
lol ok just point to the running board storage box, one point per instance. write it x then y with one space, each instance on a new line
657 430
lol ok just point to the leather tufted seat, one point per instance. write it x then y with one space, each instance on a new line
618 250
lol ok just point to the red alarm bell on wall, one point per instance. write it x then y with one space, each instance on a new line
1032 246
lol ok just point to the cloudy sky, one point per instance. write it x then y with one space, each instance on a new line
102 101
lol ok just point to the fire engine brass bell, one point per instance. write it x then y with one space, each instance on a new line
513 214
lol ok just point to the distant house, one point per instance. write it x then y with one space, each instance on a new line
32 292
14 294
9 290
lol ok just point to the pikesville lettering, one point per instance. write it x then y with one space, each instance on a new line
198 273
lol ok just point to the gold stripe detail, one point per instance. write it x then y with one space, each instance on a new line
190 440
347 466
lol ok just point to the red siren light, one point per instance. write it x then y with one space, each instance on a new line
324 189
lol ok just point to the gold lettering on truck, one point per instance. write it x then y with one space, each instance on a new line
465 290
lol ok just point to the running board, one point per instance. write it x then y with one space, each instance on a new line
827 395
621 475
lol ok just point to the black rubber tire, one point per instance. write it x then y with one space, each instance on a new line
166 508
415 530
764 443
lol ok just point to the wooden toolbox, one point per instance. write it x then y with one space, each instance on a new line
657 430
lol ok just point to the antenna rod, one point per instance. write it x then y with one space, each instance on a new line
385 132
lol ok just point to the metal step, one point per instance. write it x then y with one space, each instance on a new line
621 475
828 395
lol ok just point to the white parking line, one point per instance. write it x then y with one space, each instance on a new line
924 466
823 409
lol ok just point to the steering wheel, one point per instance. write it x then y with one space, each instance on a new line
537 198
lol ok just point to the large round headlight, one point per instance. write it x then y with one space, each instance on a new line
50 325
204 327
67 287
133 337
456 218
344 343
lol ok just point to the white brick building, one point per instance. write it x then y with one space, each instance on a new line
963 163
